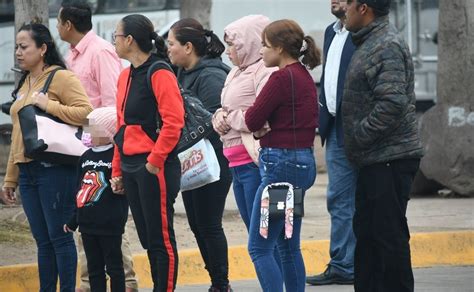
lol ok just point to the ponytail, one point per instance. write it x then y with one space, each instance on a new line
215 47
205 42
142 30
311 53
160 45
287 34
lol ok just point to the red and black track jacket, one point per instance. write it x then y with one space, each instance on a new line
136 115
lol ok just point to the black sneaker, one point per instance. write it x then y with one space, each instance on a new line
222 289
329 277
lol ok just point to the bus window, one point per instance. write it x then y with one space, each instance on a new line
173 4
7 11
121 6
54 6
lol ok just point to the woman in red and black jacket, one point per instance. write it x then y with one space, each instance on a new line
144 164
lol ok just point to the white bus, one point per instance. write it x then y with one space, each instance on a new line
312 15
416 19
106 13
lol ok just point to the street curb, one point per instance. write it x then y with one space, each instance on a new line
427 250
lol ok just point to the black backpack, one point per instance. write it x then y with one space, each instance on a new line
197 120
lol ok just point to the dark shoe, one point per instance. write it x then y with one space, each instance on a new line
221 289
329 277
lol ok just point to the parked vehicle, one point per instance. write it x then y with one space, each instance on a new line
417 20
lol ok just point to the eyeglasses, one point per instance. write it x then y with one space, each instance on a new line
114 36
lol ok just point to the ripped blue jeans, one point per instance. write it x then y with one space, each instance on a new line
48 196
298 167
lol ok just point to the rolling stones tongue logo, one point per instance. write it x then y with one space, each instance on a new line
92 187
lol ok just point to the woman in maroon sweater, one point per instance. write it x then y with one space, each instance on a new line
287 149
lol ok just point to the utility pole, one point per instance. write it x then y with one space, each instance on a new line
27 11
199 10
447 129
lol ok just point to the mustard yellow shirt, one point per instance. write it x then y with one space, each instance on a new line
67 101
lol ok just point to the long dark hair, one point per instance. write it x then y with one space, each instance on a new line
41 36
205 42
143 32
289 36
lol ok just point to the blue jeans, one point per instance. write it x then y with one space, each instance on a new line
341 206
48 196
298 167
245 182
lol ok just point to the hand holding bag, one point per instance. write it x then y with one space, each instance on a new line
47 138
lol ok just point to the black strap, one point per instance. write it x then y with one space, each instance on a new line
156 66
50 78
294 117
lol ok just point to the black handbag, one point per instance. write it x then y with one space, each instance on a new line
47 138
197 120
277 195
277 192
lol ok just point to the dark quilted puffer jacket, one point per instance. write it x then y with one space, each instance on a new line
378 106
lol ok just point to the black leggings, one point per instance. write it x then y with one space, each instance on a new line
204 209
151 198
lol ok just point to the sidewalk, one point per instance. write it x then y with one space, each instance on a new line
440 279
425 214
442 229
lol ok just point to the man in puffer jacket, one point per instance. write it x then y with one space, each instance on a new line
381 140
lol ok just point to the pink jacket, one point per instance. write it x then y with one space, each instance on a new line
245 81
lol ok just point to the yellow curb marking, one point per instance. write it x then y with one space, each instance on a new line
427 249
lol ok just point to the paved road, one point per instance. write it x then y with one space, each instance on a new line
439 279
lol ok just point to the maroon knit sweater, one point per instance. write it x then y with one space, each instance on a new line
274 104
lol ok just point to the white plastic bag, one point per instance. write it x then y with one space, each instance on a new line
199 166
